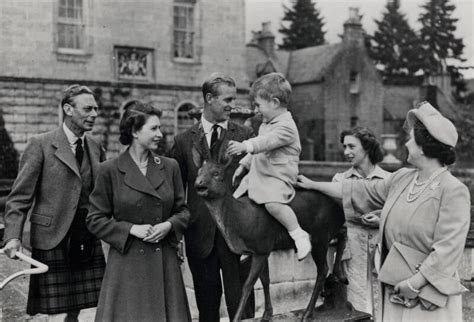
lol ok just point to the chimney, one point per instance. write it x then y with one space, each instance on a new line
353 32
266 39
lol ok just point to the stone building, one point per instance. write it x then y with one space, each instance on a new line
335 86
155 51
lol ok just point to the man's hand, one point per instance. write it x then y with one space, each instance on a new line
236 148
141 231
159 231
371 219
12 246
238 174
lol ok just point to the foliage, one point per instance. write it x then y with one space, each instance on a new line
305 26
440 47
395 46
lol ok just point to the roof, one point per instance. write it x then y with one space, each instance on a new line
397 100
311 63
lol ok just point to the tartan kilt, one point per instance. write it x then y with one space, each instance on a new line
62 289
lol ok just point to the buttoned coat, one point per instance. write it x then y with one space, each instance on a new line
142 281
436 224
190 149
49 185
273 164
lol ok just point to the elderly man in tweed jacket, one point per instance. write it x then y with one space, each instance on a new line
56 176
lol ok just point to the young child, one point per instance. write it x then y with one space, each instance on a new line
272 157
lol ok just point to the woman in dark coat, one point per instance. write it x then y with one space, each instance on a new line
138 207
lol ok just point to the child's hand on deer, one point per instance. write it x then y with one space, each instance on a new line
236 148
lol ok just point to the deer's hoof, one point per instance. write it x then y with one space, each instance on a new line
267 315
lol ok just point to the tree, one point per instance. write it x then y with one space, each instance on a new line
440 47
305 28
395 46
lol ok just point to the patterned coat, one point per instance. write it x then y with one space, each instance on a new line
273 164
142 281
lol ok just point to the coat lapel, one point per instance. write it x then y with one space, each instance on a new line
134 178
94 154
154 173
199 142
64 152
403 184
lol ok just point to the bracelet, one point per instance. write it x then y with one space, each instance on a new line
414 290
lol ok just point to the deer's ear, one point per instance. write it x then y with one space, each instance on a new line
197 158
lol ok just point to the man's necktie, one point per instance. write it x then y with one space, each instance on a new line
79 152
215 134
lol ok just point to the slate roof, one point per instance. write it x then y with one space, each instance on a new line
310 64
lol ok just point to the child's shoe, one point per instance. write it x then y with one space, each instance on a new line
302 242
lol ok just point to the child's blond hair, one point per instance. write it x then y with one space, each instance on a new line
273 85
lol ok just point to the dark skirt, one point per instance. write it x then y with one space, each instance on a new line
62 289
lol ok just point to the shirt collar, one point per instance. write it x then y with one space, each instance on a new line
207 126
71 137
376 173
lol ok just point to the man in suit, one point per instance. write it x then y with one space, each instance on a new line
56 175
206 249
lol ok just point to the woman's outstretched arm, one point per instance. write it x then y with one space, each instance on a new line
332 189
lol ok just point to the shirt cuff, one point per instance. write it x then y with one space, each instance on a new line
248 146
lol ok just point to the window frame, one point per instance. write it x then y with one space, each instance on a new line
84 27
193 5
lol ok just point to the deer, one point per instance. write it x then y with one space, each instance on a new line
249 229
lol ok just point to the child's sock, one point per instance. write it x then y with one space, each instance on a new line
302 242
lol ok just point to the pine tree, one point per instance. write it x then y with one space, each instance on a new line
437 36
306 26
395 46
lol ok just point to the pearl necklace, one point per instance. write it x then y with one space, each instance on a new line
412 196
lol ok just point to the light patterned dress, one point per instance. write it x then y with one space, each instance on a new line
361 242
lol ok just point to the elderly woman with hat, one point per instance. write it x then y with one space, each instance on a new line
423 226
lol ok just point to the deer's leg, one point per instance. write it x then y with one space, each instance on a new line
341 245
265 279
256 268
318 252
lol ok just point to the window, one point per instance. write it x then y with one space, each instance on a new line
71 25
184 29
354 78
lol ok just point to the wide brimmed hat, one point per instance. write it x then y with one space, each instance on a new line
437 125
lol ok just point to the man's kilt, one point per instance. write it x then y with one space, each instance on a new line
63 289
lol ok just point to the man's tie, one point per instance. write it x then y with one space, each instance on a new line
79 152
215 135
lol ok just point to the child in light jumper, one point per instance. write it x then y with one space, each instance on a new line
272 157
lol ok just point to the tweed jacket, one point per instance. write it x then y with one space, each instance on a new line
190 150
437 222
48 185
273 164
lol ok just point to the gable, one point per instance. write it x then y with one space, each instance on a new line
310 64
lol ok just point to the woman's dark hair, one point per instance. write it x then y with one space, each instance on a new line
134 117
368 141
431 147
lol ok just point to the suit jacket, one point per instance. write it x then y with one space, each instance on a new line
273 163
49 185
191 149
436 223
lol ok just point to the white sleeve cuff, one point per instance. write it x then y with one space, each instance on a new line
248 146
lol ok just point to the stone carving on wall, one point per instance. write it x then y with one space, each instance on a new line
133 63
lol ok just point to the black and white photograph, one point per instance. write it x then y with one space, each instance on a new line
236 160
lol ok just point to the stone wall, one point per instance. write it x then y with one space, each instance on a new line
31 106
29 39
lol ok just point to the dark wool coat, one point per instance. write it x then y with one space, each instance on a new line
143 281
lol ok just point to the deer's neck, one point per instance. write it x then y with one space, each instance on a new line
221 210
